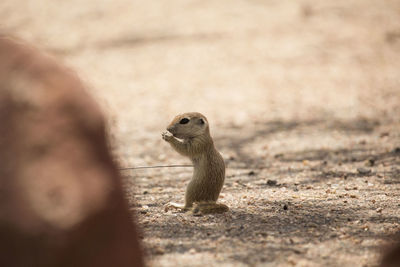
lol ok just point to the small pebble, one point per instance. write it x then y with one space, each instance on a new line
384 134
333 235
362 170
370 162
159 251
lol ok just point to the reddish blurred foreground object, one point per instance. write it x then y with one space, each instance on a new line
392 257
61 200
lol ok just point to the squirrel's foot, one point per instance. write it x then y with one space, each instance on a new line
198 208
202 208
176 206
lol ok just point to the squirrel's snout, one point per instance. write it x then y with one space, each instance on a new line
171 129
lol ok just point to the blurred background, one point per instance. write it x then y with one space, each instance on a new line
329 70
235 61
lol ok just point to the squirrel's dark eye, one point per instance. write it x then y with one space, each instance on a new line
184 121
201 121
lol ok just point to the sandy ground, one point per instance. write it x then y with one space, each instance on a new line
303 98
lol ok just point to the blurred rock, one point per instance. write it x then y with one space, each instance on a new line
61 201
391 258
272 182
363 171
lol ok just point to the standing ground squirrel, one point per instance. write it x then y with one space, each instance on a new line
209 168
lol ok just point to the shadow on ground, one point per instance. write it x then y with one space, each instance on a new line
237 139
270 232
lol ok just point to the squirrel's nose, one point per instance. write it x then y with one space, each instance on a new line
170 129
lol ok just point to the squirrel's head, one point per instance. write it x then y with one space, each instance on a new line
189 125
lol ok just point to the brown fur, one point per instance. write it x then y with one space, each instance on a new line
209 167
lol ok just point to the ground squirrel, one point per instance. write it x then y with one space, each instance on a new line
189 135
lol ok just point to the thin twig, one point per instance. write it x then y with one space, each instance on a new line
153 167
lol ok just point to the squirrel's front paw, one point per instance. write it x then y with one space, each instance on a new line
167 136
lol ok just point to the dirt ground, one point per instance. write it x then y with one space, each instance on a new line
303 98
